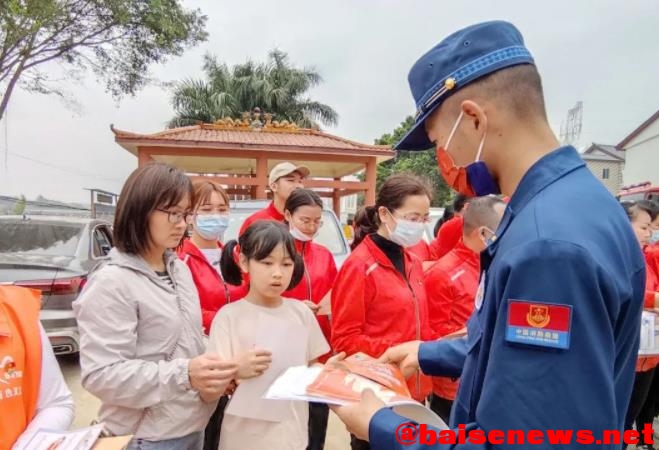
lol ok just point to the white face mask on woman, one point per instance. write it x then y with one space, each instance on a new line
300 236
406 233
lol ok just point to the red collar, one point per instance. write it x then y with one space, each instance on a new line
272 212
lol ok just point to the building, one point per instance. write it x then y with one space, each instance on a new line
642 153
607 163
239 153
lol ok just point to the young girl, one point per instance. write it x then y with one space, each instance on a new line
268 256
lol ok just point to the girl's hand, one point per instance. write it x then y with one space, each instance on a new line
253 363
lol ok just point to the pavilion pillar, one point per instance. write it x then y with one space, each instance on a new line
261 178
143 157
336 201
371 175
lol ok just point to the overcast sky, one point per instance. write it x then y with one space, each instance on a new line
602 52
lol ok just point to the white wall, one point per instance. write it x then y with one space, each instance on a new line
642 159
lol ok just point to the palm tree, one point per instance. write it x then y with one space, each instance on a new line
274 86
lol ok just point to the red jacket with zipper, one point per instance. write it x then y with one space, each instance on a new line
451 285
374 307
319 276
651 288
214 293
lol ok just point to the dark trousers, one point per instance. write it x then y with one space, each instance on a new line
358 444
649 409
212 432
441 406
642 384
318 417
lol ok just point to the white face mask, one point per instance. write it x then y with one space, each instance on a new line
406 233
300 236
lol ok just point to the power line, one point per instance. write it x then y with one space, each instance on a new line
63 169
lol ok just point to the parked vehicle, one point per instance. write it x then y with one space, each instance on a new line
330 234
54 255
639 191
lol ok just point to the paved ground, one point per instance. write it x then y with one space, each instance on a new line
87 406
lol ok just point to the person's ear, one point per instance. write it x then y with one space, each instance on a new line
243 263
383 214
287 216
476 113
274 186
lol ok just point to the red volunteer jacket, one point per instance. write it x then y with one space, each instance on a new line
268 213
421 251
374 307
451 285
448 236
319 276
214 293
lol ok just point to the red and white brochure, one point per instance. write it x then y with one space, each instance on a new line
342 383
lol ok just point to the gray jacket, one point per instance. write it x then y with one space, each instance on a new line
137 335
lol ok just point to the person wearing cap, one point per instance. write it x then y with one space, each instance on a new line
284 178
553 340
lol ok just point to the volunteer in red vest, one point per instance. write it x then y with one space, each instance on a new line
284 178
641 216
33 393
303 212
451 285
203 250
379 299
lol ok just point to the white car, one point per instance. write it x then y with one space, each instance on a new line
330 234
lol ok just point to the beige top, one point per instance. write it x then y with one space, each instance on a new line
232 333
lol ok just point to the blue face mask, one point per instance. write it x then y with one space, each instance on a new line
655 237
211 226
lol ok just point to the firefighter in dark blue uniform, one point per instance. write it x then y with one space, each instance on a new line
553 340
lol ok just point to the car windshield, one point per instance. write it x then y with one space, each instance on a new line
329 234
39 238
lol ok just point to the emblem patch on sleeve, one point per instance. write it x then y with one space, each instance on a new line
541 324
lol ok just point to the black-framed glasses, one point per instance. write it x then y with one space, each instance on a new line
176 217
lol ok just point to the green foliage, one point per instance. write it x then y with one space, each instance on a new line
19 206
275 86
117 39
420 163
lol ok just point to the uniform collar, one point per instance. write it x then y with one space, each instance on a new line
464 253
545 172
272 212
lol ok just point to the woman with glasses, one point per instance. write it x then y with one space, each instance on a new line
203 250
141 342
303 213
379 299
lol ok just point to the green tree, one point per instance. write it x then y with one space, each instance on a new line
19 206
116 39
275 86
421 163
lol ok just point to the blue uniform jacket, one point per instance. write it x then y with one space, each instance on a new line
564 246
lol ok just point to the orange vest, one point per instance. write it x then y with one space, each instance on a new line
20 361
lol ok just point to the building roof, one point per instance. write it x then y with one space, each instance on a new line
602 152
638 130
281 141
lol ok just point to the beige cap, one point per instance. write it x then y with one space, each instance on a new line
286 168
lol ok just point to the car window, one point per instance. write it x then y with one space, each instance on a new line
101 242
55 239
330 234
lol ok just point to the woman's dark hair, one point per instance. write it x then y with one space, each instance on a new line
459 202
257 242
150 187
446 216
392 194
302 197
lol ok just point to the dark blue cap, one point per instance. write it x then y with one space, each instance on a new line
461 58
